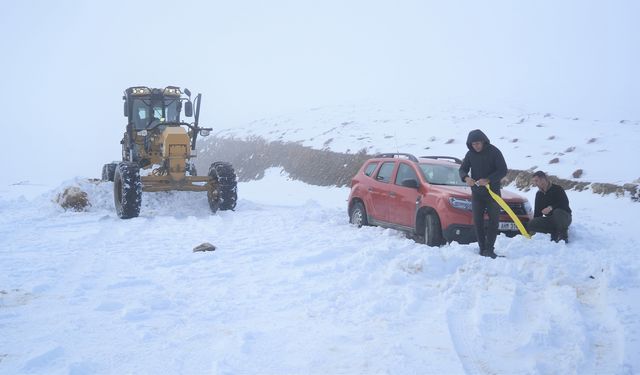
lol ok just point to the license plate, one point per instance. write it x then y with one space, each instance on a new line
507 225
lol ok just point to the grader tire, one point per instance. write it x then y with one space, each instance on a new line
109 171
225 193
127 190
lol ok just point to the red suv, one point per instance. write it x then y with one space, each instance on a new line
424 197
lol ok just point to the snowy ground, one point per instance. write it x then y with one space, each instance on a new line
293 288
601 148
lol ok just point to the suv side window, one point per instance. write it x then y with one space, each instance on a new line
405 172
368 171
384 174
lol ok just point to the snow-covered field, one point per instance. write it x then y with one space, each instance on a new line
294 289
601 148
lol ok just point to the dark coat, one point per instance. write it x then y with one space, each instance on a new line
554 197
488 163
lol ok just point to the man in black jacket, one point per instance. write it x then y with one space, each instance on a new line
552 202
487 166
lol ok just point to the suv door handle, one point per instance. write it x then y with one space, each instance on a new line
369 190
392 194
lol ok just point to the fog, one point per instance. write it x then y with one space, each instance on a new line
66 64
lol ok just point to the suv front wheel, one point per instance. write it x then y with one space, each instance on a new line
432 230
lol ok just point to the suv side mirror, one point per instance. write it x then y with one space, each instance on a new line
125 109
188 109
410 183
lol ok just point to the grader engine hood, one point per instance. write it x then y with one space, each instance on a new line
175 149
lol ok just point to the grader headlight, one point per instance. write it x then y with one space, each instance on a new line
140 91
171 90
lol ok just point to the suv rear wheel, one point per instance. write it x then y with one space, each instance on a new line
358 216
432 230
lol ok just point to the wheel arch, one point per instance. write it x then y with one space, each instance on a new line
353 201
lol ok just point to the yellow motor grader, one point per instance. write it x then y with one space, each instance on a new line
157 141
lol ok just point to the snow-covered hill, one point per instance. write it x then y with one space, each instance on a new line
293 288
603 150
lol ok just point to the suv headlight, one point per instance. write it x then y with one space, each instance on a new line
460 203
527 206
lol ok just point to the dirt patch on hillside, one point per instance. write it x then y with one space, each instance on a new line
251 157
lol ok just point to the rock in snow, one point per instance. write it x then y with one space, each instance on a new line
205 246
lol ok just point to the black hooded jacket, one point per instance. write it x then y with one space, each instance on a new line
554 197
488 163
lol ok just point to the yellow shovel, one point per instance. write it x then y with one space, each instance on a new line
508 210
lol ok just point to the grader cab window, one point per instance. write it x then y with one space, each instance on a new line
171 111
157 112
141 117
141 114
145 112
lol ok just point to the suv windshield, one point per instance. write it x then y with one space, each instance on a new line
145 111
439 174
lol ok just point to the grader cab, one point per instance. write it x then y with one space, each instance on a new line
161 145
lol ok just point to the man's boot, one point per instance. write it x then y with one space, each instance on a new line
488 252
563 235
491 254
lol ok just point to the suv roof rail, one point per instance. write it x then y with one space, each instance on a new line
443 157
394 154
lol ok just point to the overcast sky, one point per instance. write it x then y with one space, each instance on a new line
66 63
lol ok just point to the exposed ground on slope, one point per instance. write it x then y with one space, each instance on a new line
252 156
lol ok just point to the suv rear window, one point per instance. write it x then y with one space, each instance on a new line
368 171
384 174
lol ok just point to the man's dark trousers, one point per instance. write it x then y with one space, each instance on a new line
557 223
481 201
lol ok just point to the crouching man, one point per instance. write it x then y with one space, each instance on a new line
552 213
